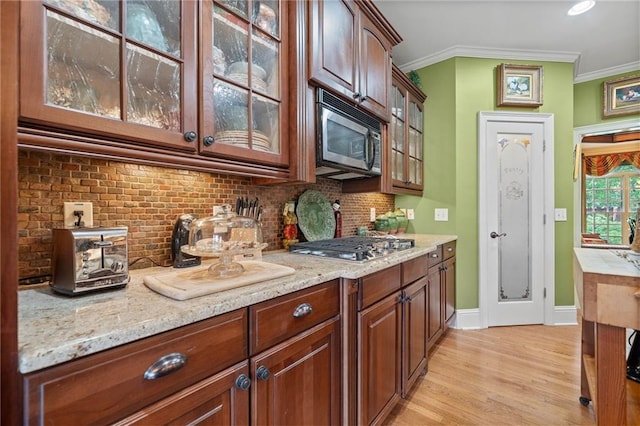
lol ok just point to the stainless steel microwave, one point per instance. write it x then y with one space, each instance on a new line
348 139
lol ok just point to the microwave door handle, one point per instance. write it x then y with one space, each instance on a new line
370 152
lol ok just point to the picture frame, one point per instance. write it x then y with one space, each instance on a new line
519 85
621 96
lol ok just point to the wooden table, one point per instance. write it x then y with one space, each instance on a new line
608 288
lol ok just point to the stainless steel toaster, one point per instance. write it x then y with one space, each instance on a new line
88 259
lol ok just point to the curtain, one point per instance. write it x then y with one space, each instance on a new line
600 165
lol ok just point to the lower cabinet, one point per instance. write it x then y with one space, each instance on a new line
219 400
380 359
414 329
388 326
276 362
436 326
111 385
297 381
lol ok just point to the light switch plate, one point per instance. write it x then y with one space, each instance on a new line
70 219
372 214
410 214
561 215
441 215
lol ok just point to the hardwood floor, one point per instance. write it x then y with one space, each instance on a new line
526 375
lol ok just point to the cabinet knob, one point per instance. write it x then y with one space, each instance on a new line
434 255
208 140
263 373
165 365
356 96
243 382
303 310
363 98
190 136
449 249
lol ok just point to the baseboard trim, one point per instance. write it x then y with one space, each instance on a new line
468 319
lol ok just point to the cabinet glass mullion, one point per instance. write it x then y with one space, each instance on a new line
85 52
246 58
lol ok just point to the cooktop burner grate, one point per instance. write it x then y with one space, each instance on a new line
353 248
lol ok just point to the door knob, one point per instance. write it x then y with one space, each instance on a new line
494 234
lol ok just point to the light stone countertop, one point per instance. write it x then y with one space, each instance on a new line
53 328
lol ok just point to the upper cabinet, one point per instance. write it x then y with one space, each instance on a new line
200 84
350 44
243 78
406 135
402 152
124 70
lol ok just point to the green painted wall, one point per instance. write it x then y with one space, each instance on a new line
588 101
457 89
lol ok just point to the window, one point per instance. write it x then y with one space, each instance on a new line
610 200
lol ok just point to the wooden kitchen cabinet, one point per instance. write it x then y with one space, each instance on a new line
354 61
91 86
386 325
449 277
90 390
406 135
219 400
380 359
442 293
414 331
81 71
436 327
297 381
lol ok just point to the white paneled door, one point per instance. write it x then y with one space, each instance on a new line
515 265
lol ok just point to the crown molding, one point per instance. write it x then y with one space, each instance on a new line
491 53
607 72
520 55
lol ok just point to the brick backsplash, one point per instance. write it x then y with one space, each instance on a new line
148 201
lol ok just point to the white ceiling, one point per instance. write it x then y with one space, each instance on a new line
602 42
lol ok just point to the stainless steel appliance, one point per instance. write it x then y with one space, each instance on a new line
348 139
89 259
359 249
179 238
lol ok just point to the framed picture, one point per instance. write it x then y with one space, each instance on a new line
519 85
622 96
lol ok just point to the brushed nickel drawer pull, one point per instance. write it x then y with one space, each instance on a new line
165 365
302 310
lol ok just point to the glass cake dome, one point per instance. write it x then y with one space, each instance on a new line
224 235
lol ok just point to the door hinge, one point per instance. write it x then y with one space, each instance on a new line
544 293
544 145
544 219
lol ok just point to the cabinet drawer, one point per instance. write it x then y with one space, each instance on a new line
275 320
448 250
435 256
110 385
379 284
414 269
619 305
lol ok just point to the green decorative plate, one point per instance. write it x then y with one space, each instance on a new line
315 216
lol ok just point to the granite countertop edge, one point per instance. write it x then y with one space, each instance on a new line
53 329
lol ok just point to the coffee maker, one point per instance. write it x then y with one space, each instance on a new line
179 238
633 360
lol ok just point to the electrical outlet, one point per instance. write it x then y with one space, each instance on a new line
217 210
372 214
71 218
441 215
410 214
561 215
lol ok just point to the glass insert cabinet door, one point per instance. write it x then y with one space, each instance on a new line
243 98
116 67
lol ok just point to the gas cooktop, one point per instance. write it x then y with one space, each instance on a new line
353 248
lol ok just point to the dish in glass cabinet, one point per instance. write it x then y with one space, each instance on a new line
315 216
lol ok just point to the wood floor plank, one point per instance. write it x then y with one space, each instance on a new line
525 375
